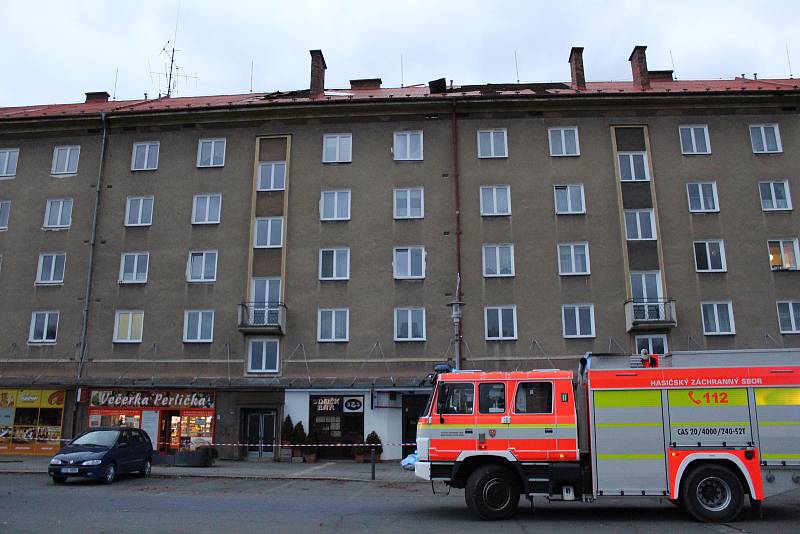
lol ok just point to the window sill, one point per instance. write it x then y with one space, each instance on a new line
492 157
784 269
48 284
500 339
574 274
270 190
695 153
714 334
7 176
272 372
704 212
131 282
201 281
63 174
194 223
580 337
408 160
41 343
495 214
565 155
571 213
55 228
420 340
333 340
775 209
334 279
498 275
138 225
335 220
210 166
634 181
712 272
335 162
768 152
121 342
412 278
198 341
144 170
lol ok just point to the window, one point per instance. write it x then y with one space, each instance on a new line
202 266
272 176
709 256
783 254
409 324
775 195
633 166
408 146
655 344
269 232
578 320
333 325
569 199
337 148
765 138
717 318
409 262
44 327
198 326
564 141
128 325
139 211
501 323
534 397
492 398
5 210
492 143
65 160
495 200
133 267
498 260
58 213
8 162
409 203
334 205
145 156
639 225
334 264
51 268
211 153
694 139
456 399
789 316
702 197
207 209
262 355
573 258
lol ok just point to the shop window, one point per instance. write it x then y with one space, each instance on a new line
534 397
492 398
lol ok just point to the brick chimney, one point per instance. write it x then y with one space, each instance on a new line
638 59
576 67
97 96
318 67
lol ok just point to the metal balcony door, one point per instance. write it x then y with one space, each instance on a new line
260 434
648 302
266 294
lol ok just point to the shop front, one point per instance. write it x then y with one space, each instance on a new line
337 419
31 421
175 420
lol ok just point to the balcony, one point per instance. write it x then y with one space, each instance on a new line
650 314
262 318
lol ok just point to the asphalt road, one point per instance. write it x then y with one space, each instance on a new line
31 503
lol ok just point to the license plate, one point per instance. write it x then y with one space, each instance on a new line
69 469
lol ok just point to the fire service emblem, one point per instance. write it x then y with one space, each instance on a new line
492 432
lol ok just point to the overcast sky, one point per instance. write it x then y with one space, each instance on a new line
56 51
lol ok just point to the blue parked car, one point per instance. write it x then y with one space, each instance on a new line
102 454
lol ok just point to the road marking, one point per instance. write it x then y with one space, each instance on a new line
310 469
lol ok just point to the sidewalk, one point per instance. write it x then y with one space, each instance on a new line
388 471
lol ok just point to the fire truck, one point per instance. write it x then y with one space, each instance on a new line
702 430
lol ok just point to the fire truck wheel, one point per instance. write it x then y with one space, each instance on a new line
712 493
492 492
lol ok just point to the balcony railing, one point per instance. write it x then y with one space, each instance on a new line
650 314
262 317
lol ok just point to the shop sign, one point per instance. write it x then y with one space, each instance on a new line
152 399
329 405
353 404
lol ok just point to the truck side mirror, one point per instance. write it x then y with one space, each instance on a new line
440 402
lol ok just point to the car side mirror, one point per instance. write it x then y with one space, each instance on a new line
122 444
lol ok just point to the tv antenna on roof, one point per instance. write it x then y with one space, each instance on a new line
174 71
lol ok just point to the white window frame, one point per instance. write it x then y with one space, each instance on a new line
336 276
763 137
495 212
632 153
208 197
572 246
270 225
773 197
692 129
638 213
5 204
335 204
148 147
716 303
492 148
395 265
781 241
339 156
407 191
333 325
128 338
794 318
49 207
571 210
499 309
137 258
5 173
561 130
703 197
201 313
205 255
407 134
66 171
650 337
577 335
39 273
274 341
48 315
213 141
708 256
409 315
496 248
271 165
141 206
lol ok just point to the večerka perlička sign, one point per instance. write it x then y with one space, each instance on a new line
152 399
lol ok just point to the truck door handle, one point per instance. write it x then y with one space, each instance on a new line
548 430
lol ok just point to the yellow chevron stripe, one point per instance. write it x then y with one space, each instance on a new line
777 456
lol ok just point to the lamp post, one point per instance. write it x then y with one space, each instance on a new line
455 312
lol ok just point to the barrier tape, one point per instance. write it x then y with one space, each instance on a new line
274 445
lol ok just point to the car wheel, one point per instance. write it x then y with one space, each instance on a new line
146 468
492 492
59 480
712 493
109 474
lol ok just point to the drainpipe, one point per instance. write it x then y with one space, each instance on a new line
457 201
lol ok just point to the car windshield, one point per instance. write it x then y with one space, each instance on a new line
103 438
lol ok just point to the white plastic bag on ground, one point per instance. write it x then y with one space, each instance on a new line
409 461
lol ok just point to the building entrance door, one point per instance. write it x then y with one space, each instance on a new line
413 405
260 433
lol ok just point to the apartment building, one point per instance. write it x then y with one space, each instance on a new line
201 267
